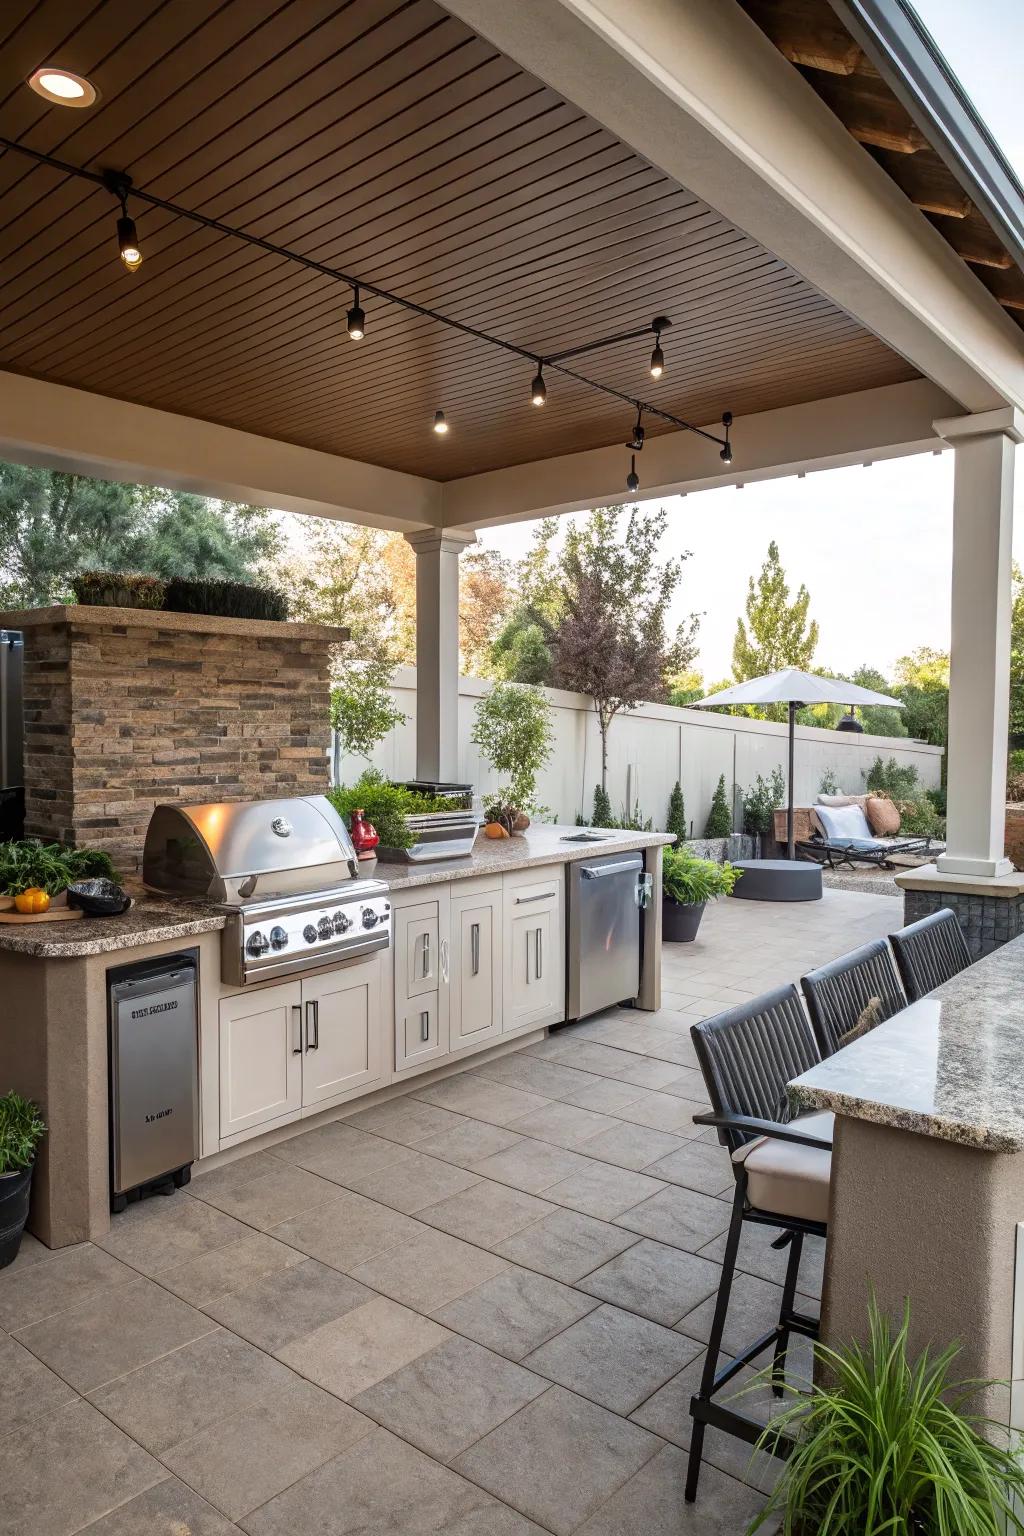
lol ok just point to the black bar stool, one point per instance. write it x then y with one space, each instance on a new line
860 988
929 952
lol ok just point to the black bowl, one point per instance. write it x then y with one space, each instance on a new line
99 898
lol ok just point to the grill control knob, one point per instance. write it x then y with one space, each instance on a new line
257 943
309 933
342 922
369 918
278 937
325 928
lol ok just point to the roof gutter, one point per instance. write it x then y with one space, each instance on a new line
906 55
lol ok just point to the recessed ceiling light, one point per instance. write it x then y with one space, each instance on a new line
63 87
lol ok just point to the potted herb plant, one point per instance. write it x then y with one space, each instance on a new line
688 884
21 1131
883 1446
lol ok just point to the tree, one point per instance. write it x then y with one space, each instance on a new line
719 822
521 651
54 525
363 708
685 687
485 601
676 820
514 732
776 632
922 682
611 639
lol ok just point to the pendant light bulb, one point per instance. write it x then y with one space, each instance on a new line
128 243
726 453
440 423
632 479
657 361
538 389
639 435
355 323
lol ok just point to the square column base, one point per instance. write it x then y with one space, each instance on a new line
990 911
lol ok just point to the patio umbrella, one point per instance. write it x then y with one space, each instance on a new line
797 689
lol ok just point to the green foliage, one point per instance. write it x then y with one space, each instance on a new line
388 805
21 1130
675 821
1017 656
899 780
719 822
685 687
920 817
686 879
53 525
228 599
776 632
602 815
761 802
513 730
937 798
363 708
829 784
109 589
50 866
885 1446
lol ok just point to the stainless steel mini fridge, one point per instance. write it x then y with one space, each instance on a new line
606 897
154 1075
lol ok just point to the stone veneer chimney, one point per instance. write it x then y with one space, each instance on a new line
125 708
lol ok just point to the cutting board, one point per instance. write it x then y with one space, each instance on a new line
57 912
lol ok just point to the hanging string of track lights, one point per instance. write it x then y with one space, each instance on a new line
121 186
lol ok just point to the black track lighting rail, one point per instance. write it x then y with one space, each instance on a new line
120 185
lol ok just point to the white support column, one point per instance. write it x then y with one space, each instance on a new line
437 650
979 680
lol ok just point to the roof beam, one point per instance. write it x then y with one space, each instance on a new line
702 93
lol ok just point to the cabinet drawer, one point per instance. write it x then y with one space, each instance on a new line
417 950
538 895
419 1032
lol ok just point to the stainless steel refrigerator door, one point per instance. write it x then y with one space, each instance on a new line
154 1076
604 933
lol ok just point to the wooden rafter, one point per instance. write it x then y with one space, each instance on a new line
927 181
807 33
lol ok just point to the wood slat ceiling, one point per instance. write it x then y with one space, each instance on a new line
811 36
385 139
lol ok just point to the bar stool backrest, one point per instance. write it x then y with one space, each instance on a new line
748 1054
860 988
929 952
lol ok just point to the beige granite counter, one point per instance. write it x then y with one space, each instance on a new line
154 919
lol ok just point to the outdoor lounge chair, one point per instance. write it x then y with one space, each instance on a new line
847 839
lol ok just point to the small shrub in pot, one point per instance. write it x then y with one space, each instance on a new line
688 884
226 599
21 1131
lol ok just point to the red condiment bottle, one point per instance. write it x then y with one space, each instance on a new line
364 836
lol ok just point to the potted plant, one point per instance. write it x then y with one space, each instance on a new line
21 1131
514 734
883 1446
688 884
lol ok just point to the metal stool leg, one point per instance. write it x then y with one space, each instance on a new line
796 1244
714 1350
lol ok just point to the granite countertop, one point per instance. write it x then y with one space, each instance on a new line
154 919
950 1066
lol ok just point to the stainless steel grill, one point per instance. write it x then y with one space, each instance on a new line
284 871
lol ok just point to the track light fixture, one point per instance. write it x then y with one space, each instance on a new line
356 321
118 183
440 423
658 324
726 453
632 479
538 389
637 440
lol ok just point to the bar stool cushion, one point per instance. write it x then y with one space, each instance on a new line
789 1179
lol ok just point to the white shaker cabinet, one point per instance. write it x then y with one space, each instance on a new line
475 999
260 1057
533 946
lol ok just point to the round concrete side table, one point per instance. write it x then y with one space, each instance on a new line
777 880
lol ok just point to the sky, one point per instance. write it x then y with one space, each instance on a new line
873 545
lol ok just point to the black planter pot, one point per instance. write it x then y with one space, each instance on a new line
680 920
15 1189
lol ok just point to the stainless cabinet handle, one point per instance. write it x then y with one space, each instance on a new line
425 1025
426 955
474 949
540 953
297 1011
444 960
540 896
312 1017
602 871
527 957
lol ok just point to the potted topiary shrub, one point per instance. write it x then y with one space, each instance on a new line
883 1446
688 884
21 1131
514 733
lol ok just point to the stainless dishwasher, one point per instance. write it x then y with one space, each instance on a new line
154 1076
606 897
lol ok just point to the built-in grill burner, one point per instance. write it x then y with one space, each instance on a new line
284 871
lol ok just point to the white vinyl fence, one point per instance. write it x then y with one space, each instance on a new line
648 750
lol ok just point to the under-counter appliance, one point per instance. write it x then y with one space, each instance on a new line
154 1077
284 871
605 898
12 733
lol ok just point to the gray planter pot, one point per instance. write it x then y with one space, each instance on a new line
15 1190
681 920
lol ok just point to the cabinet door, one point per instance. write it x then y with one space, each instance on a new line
417 949
342 1030
260 1057
533 958
475 999
418 1032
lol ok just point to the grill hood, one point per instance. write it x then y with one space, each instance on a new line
248 850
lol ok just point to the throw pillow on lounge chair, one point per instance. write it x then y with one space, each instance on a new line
843 823
883 815
834 800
